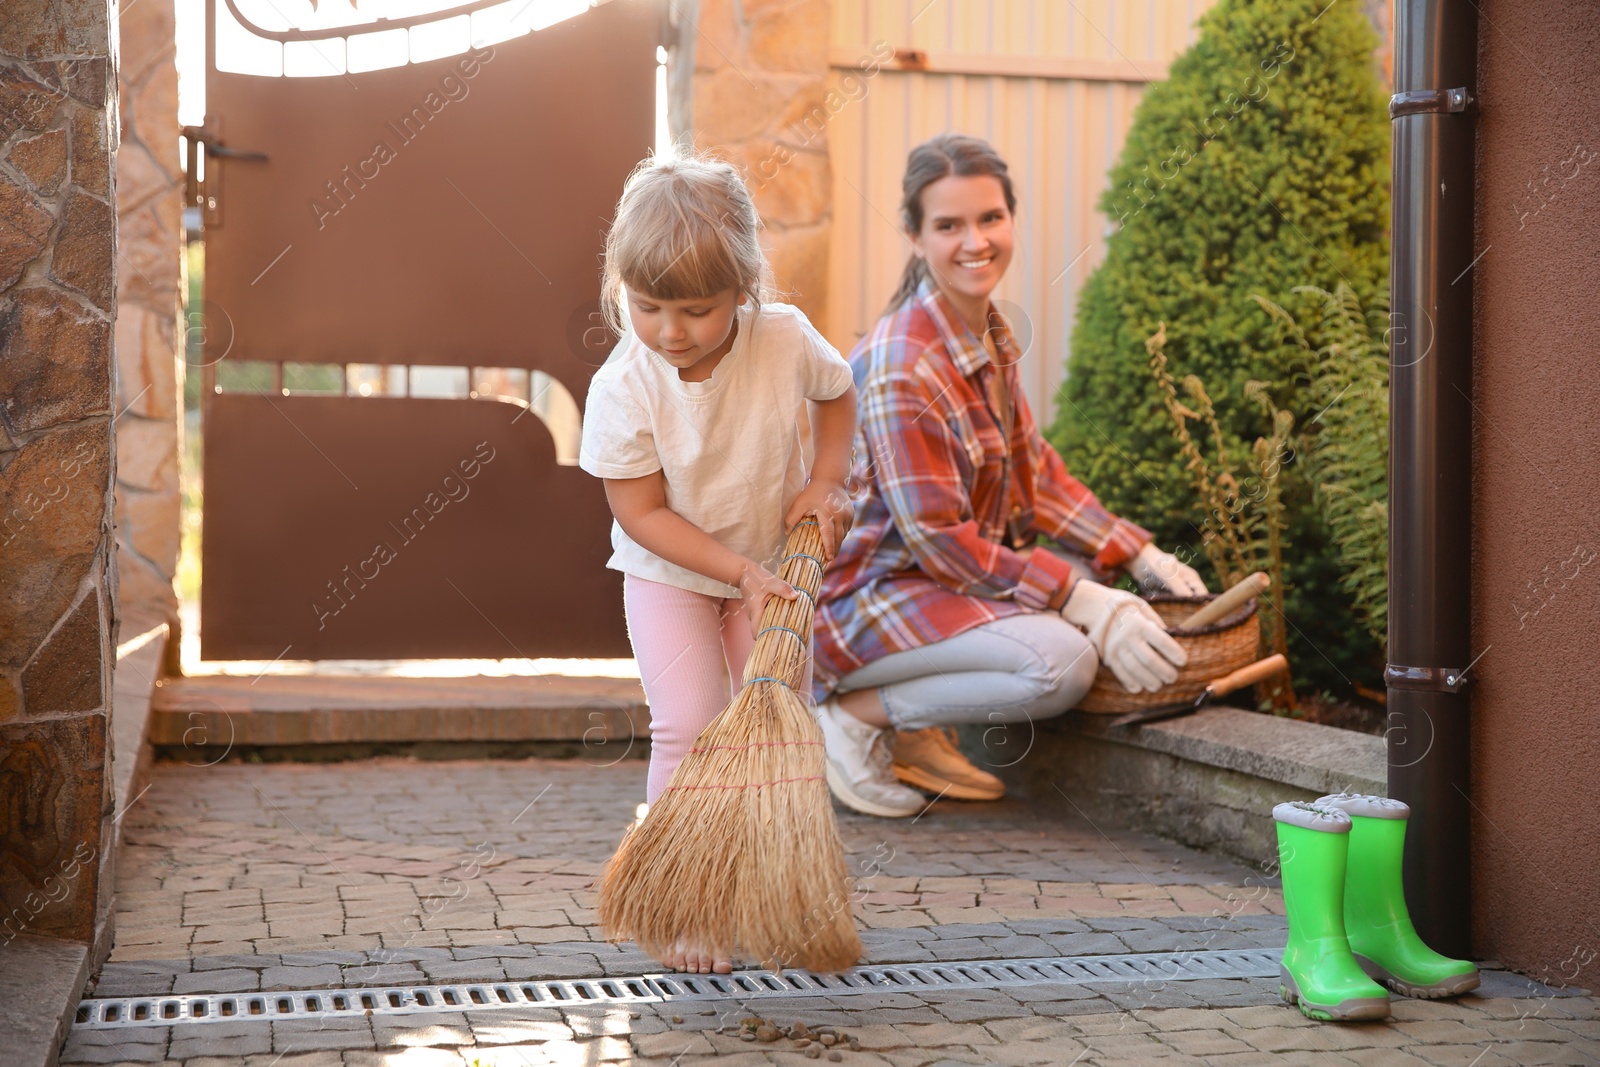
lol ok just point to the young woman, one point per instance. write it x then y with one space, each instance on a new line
939 609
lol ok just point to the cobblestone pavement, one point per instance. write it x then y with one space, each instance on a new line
244 877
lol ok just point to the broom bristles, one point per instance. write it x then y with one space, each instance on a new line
741 854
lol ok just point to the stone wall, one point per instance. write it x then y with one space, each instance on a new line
758 98
150 238
58 613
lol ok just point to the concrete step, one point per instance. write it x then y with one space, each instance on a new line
40 983
1209 779
204 714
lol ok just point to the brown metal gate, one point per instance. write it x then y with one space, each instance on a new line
447 213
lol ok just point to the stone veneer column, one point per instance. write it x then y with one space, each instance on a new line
58 615
150 239
757 97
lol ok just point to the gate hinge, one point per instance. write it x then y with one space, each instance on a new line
1430 679
1430 101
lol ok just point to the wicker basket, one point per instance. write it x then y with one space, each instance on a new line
1224 646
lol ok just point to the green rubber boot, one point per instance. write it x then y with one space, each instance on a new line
1375 916
1318 971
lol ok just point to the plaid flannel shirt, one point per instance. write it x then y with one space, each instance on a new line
930 555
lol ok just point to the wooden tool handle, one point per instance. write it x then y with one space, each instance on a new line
1242 590
1249 674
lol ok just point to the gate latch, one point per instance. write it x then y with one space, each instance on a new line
201 184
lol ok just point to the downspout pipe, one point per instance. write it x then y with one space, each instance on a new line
1430 447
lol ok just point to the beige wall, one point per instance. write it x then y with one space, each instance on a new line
150 236
1536 485
808 98
1052 86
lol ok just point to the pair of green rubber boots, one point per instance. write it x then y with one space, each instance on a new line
1348 924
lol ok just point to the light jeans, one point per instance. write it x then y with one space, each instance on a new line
1023 667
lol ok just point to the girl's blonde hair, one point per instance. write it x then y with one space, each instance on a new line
684 228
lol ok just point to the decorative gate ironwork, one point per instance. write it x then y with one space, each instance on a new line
447 213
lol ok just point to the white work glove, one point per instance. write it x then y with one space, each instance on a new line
1128 635
1156 570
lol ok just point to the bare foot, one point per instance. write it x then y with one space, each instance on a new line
696 961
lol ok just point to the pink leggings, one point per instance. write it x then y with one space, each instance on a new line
691 650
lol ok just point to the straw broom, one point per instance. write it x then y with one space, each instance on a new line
740 853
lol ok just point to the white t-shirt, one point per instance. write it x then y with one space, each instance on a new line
729 446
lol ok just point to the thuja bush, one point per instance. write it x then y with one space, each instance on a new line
1258 168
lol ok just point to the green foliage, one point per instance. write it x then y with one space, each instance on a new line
1346 446
1242 529
1260 166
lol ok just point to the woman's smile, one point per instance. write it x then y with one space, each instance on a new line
957 212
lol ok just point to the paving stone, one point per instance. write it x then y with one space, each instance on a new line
303 1035
1090 944
1058 1052
463 970
893 1016
319 959
951 931
1046 995
1294 1039
229 961
365 974
1384 1057
573 966
672 1043
1090 1006
143 985
934 1035
415 1057
402 954
1048 926
1278 1015
130 968
1461 1055
134 1045
1132 1047
222 981
1529 1028
325 976
1017 946
1202 1042
429 1029
965 882
1533 1053
981 1010
1113 1022
220 1039
970 948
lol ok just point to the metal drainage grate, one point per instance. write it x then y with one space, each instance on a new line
117 1012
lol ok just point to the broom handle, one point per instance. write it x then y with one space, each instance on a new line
783 643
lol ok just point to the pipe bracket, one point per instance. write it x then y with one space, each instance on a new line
1430 101
1429 679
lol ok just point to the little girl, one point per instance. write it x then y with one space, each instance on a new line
693 423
